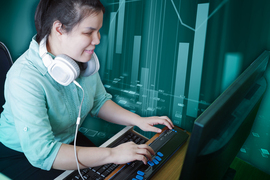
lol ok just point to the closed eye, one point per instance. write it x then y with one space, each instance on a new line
89 33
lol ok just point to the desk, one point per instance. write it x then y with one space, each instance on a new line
172 169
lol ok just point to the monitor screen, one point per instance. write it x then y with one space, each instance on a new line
221 130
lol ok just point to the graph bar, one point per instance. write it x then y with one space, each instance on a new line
144 90
180 82
111 41
120 26
232 68
152 103
102 52
197 60
135 59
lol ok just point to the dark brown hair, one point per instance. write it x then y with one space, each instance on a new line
68 12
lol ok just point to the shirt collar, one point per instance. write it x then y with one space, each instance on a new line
34 57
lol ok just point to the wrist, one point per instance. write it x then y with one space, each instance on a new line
137 121
113 155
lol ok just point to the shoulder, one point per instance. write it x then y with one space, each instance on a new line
28 67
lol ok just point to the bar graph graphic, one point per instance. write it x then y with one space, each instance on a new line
197 60
180 83
135 60
111 41
144 91
232 68
141 83
120 26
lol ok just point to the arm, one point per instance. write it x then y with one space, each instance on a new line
127 152
96 156
114 113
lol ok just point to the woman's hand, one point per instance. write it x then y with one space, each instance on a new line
147 123
114 113
130 151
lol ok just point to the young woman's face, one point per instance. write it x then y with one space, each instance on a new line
80 43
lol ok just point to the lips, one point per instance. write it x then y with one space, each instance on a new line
89 51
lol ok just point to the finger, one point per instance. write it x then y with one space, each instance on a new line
167 119
154 129
166 122
130 142
145 146
141 158
145 152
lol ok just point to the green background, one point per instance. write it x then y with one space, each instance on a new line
168 57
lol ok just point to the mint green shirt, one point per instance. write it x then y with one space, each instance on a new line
40 114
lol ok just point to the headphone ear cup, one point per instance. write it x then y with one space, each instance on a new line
92 66
64 70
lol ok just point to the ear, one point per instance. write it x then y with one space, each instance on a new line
57 28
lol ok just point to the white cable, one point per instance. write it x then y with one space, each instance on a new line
77 127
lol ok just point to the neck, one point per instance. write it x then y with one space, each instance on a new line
52 46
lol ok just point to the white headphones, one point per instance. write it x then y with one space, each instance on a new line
64 69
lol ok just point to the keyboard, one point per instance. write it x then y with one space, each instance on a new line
164 144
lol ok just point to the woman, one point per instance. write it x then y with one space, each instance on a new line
39 117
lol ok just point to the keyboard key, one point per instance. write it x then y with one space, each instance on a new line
95 169
158 158
86 176
160 154
106 173
143 141
151 163
139 177
84 171
137 140
140 173
155 161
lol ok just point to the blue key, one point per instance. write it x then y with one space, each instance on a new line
158 158
150 163
134 179
139 177
160 154
140 173
155 161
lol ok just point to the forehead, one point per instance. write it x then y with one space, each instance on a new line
94 20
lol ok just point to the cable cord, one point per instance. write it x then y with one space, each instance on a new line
77 127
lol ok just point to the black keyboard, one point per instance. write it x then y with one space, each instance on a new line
165 145
101 172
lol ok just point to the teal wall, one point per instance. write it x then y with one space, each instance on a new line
168 57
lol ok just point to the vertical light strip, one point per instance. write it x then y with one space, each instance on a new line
102 52
144 91
231 70
120 26
180 83
111 41
197 60
135 59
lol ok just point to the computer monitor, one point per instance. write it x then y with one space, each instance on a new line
220 131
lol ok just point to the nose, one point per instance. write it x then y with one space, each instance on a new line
96 39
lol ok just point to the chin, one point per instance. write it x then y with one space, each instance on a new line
83 60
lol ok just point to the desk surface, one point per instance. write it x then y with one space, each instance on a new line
172 169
